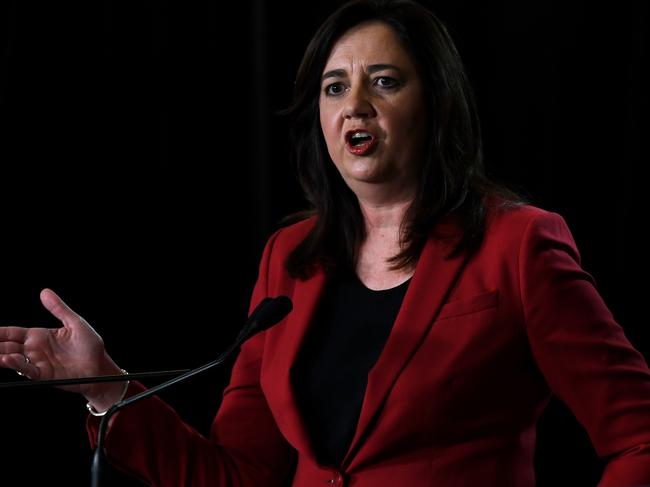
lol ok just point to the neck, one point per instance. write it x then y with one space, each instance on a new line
383 219
383 241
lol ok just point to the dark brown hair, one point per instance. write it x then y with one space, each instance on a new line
452 175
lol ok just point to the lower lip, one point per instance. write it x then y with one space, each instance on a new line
362 149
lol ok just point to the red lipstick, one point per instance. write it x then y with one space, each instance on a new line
360 142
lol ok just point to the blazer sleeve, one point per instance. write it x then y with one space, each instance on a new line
583 353
149 441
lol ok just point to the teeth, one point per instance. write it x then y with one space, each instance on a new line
358 135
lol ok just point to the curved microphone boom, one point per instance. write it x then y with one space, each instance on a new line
266 314
269 312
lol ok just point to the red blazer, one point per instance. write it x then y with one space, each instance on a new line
478 347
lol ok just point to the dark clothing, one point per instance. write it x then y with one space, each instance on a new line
342 345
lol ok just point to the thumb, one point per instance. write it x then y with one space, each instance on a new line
55 305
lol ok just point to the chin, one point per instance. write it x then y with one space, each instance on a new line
365 169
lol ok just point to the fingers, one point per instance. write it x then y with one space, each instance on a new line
20 363
12 351
11 347
13 334
55 305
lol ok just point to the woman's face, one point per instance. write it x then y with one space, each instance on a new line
372 112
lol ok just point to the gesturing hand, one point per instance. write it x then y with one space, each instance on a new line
74 350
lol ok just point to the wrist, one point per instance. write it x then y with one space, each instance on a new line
113 393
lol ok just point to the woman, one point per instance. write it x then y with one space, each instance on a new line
434 313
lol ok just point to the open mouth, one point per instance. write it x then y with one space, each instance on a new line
360 142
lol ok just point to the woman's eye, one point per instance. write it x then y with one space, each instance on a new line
386 82
334 89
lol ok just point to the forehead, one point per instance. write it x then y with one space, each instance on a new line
371 42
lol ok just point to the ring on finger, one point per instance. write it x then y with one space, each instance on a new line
27 362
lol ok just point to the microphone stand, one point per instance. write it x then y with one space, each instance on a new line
99 457
265 315
89 380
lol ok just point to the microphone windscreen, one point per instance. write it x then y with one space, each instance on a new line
254 316
273 312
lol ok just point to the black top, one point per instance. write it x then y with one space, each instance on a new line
331 371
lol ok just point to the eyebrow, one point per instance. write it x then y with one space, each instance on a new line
373 68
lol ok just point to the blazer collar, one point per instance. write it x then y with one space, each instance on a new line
434 277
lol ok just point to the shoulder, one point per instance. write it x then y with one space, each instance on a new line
502 216
280 245
287 238
514 227
512 217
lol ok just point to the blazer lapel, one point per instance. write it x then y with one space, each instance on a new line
284 341
430 285
424 298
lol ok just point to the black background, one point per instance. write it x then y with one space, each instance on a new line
142 168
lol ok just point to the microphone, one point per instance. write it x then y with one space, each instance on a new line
266 314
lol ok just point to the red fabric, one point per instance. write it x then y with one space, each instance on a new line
477 349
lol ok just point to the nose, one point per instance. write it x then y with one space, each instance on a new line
358 104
